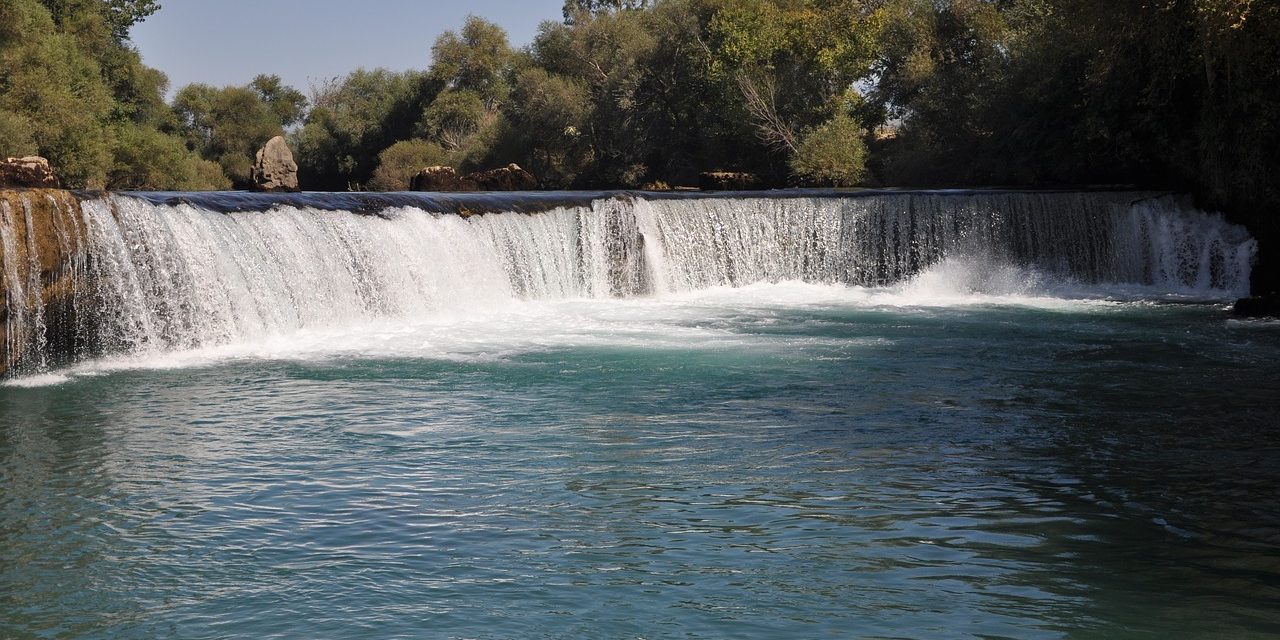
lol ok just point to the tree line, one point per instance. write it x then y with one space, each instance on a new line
636 93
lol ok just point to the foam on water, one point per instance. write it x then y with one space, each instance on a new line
705 320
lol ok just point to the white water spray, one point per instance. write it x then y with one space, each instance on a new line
160 278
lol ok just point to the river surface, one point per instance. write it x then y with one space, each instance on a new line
778 460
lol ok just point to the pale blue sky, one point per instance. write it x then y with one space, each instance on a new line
225 42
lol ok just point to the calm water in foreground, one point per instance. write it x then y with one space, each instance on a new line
779 461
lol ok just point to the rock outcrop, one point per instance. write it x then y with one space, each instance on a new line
1257 307
727 181
41 235
274 169
508 178
31 171
439 179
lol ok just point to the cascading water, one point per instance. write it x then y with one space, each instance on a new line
178 275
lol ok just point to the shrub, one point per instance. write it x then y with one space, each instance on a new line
398 163
833 154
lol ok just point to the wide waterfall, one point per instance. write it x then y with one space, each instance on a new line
150 274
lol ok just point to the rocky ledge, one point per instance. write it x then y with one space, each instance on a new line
31 171
446 179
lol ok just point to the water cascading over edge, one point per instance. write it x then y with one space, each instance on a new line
134 276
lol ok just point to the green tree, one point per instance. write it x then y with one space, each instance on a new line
548 115
575 10
49 79
16 135
146 159
287 103
454 117
476 60
118 15
355 119
226 125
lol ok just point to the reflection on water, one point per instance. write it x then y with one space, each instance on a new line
762 468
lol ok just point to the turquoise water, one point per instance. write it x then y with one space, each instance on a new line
776 461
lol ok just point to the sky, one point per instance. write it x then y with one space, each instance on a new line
228 42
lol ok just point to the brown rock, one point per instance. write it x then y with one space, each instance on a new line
727 181
44 230
274 169
31 171
439 179
508 178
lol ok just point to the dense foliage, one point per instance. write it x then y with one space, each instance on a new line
74 91
624 93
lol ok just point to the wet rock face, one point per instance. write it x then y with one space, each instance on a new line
508 178
41 243
274 170
31 171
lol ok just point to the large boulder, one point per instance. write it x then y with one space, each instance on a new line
727 181
274 169
1257 307
508 178
31 171
440 179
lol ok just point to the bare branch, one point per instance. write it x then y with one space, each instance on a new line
761 96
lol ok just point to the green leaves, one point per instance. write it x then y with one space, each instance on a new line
833 154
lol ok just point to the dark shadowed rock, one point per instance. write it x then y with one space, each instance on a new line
1257 307
439 179
275 170
727 181
508 178
31 171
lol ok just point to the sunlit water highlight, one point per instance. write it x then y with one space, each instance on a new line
973 453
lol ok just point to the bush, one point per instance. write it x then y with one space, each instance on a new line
398 163
145 159
833 154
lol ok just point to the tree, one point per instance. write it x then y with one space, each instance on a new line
454 117
287 103
355 119
575 9
146 159
53 83
16 135
226 125
118 15
791 61
548 115
476 60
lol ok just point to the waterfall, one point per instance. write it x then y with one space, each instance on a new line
150 276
